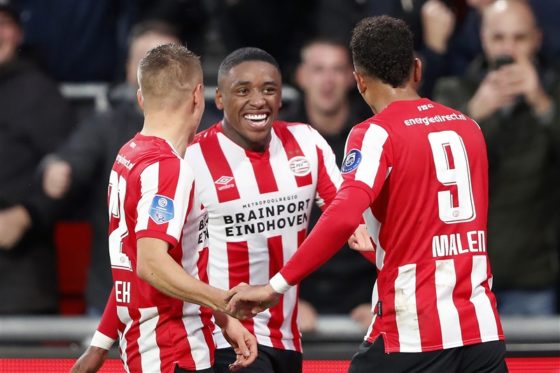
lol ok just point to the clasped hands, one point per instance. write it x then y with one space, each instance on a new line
245 301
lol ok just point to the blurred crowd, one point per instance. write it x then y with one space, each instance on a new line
498 63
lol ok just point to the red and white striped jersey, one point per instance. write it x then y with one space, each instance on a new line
258 207
150 190
425 167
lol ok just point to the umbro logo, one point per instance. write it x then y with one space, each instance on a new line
224 182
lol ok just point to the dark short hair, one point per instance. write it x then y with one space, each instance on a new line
150 26
241 55
324 40
382 47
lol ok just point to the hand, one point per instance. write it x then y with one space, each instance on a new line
243 342
521 79
251 299
57 178
490 96
307 316
438 22
14 222
360 239
362 314
90 361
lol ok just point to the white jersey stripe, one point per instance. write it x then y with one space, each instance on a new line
149 180
124 317
445 279
373 228
372 149
147 342
184 186
405 309
481 302
218 273
193 325
243 170
374 300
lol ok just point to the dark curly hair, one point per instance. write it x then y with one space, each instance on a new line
382 47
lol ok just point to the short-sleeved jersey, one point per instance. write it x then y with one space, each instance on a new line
149 192
258 207
425 167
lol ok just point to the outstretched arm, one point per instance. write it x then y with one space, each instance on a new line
158 268
334 228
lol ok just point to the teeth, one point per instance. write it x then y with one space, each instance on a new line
255 116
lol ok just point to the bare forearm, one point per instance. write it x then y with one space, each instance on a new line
157 268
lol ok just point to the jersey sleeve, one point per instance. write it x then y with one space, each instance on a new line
107 330
330 233
328 175
164 199
368 159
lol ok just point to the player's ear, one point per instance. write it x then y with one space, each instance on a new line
218 99
198 95
140 98
360 82
417 73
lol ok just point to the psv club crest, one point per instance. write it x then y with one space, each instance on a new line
300 166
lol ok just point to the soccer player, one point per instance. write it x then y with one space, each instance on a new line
256 179
419 171
157 281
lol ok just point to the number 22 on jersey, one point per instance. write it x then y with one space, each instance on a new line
456 204
117 192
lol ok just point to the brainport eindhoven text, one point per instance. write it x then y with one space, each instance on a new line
267 218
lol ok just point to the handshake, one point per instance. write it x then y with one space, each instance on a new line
245 301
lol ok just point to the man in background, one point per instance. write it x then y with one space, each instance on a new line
331 104
515 100
34 120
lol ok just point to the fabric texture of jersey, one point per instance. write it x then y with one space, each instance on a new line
258 207
150 191
425 168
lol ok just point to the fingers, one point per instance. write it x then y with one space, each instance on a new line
360 240
245 355
56 179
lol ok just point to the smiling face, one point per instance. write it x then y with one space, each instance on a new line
250 96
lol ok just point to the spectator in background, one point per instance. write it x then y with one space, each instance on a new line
515 100
331 105
84 161
277 26
190 17
34 120
445 31
78 41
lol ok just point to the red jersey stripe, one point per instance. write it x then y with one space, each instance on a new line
263 171
277 312
467 314
292 149
219 168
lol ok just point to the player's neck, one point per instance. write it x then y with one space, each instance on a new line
383 96
174 129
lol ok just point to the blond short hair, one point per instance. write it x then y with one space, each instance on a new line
167 73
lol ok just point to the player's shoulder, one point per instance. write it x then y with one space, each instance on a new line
207 134
301 131
142 151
